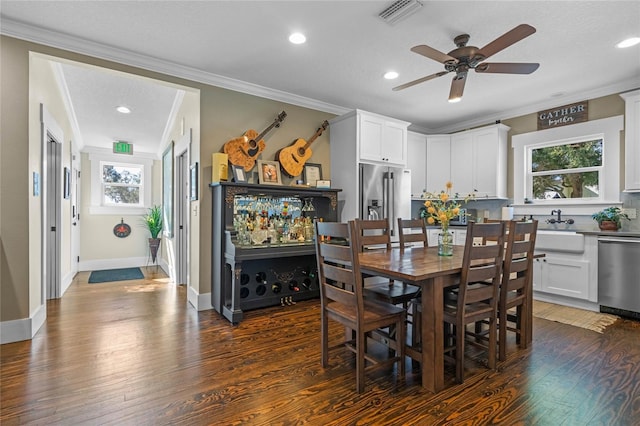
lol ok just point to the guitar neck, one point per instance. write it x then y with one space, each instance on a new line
276 122
316 135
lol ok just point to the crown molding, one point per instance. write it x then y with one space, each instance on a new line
54 39
614 89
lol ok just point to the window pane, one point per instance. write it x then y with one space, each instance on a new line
566 185
130 175
121 194
569 156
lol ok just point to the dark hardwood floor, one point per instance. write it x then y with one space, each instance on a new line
134 353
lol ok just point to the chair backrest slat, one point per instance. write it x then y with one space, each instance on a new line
481 263
407 234
518 258
338 265
372 233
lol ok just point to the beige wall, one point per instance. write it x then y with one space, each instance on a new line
15 178
224 114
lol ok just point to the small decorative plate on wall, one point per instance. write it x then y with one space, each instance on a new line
121 230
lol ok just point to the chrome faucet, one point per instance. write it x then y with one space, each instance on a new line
559 219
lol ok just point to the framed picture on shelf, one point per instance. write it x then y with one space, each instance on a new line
312 173
238 173
193 181
269 172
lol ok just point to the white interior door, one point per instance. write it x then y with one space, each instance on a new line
182 217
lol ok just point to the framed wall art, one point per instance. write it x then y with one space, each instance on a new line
238 174
269 172
312 173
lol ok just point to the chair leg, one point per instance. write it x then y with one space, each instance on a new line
325 341
401 329
360 361
502 339
493 333
460 330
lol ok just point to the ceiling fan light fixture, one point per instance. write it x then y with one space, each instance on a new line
455 100
632 41
123 109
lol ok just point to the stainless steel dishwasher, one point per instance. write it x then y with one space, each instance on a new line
619 275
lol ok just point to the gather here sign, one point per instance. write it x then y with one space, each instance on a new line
561 116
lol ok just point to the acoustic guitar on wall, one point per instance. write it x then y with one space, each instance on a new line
244 150
293 157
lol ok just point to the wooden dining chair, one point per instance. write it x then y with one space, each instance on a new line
406 228
477 296
413 231
375 234
516 284
342 300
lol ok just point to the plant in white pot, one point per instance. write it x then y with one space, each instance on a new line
152 220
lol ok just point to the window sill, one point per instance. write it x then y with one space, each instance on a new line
112 210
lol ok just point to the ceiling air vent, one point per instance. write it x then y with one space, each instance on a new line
399 10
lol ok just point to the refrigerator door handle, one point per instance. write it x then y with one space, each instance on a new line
392 204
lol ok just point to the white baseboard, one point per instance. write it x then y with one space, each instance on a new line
23 329
66 282
100 264
202 302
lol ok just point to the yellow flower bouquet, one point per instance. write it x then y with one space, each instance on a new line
442 208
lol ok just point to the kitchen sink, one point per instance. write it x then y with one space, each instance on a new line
566 241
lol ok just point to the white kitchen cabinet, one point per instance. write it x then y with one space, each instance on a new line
479 161
562 276
376 139
438 171
351 137
416 162
632 141
568 274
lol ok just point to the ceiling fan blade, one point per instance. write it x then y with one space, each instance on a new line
432 53
507 68
457 87
420 80
507 39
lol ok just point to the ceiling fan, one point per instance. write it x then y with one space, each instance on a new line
464 58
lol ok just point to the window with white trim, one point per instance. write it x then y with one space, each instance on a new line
567 169
577 164
122 184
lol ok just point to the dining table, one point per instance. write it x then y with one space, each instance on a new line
424 267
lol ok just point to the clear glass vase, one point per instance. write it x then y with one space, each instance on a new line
445 242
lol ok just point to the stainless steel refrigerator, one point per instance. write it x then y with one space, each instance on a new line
385 192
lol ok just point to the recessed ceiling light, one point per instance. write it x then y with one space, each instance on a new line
628 42
297 38
391 75
123 109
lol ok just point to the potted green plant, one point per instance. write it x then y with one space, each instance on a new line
152 220
609 219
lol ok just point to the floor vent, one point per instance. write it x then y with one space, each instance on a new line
399 10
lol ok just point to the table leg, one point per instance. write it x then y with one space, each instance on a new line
432 335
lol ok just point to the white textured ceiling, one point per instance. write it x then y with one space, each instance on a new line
243 45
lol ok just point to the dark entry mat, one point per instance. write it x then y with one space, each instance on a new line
115 275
